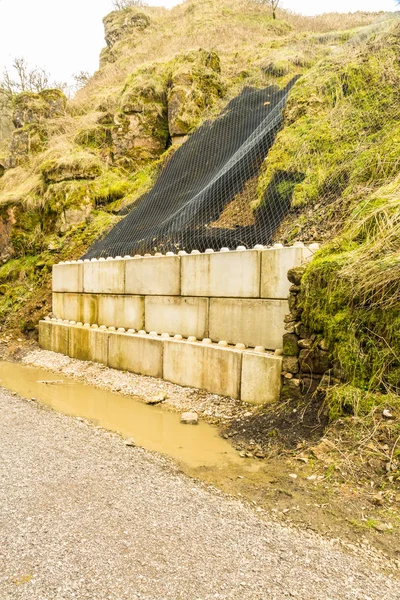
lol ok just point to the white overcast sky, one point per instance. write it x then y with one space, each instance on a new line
66 36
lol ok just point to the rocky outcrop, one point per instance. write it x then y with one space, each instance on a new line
194 86
117 26
31 111
163 103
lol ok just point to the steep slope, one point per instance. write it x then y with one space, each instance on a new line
342 133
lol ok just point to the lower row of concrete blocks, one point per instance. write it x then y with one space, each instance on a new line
250 375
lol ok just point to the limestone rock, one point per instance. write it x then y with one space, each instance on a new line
291 389
315 361
119 24
290 344
290 364
130 442
154 400
190 418
295 275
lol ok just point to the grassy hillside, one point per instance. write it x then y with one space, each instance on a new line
342 132
77 163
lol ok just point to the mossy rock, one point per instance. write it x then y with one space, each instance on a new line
98 136
75 166
29 108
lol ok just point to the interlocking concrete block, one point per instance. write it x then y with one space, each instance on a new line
204 366
76 307
79 342
261 378
221 274
58 307
153 276
275 264
104 277
140 354
177 315
98 346
252 322
68 277
54 336
121 311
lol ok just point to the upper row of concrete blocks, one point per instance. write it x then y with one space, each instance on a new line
257 273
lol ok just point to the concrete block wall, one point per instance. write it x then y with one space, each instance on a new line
238 297
146 315
251 375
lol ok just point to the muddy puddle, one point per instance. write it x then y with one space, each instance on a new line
199 451
152 427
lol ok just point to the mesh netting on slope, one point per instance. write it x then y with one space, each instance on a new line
202 197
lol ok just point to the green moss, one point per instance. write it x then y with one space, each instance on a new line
98 136
347 400
80 165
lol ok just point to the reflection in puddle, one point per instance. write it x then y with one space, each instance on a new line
152 427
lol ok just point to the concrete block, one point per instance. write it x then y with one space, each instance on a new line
104 277
98 346
275 264
252 322
58 307
261 378
136 353
76 307
177 315
89 309
54 336
121 311
221 274
204 366
68 277
153 276
79 342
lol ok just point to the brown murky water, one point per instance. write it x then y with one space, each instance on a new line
152 427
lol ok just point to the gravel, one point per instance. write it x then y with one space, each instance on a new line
84 516
177 398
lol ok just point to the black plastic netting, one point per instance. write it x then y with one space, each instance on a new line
202 197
